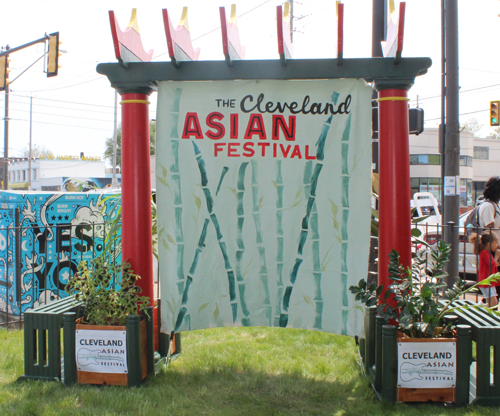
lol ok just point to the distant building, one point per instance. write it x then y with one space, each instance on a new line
479 160
60 173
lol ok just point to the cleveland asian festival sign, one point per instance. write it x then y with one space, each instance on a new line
101 351
263 203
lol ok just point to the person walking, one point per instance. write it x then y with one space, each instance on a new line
489 211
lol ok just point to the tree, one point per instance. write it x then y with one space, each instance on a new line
108 153
472 126
496 133
36 151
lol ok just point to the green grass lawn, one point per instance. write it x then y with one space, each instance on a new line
238 371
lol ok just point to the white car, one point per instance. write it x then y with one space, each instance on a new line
426 204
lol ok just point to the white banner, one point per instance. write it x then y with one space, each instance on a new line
101 351
427 365
263 198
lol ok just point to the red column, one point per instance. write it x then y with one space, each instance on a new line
137 247
394 180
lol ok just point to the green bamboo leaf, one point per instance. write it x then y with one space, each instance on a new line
216 312
170 239
161 180
335 209
197 201
165 244
275 184
335 224
260 201
203 307
297 195
308 299
246 268
293 206
359 307
234 191
164 170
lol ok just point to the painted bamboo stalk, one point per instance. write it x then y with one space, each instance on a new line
220 238
176 187
268 309
320 155
189 279
240 251
224 171
345 176
182 317
317 273
280 242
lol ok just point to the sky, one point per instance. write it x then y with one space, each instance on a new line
74 112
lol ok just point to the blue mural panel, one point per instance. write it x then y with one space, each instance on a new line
48 235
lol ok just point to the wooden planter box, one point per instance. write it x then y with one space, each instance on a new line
383 360
100 348
427 369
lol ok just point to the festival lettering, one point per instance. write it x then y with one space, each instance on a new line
276 139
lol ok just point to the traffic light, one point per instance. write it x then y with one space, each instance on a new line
53 55
4 72
494 113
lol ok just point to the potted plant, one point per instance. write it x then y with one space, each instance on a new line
426 337
110 337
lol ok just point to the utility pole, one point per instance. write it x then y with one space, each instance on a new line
452 139
6 135
442 126
31 135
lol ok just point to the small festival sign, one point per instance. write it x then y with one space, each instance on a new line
101 351
427 365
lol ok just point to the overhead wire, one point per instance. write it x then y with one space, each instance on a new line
60 124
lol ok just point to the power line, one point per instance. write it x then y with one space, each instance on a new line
461 114
67 86
461 92
59 124
62 101
65 108
62 115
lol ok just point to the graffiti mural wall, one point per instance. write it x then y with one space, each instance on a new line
43 237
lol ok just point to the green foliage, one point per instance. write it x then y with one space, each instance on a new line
108 152
94 285
416 291
113 237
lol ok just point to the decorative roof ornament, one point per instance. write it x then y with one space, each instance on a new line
127 43
180 46
231 46
285 47
393 46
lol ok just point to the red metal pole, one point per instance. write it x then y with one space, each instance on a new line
137 247
394 180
